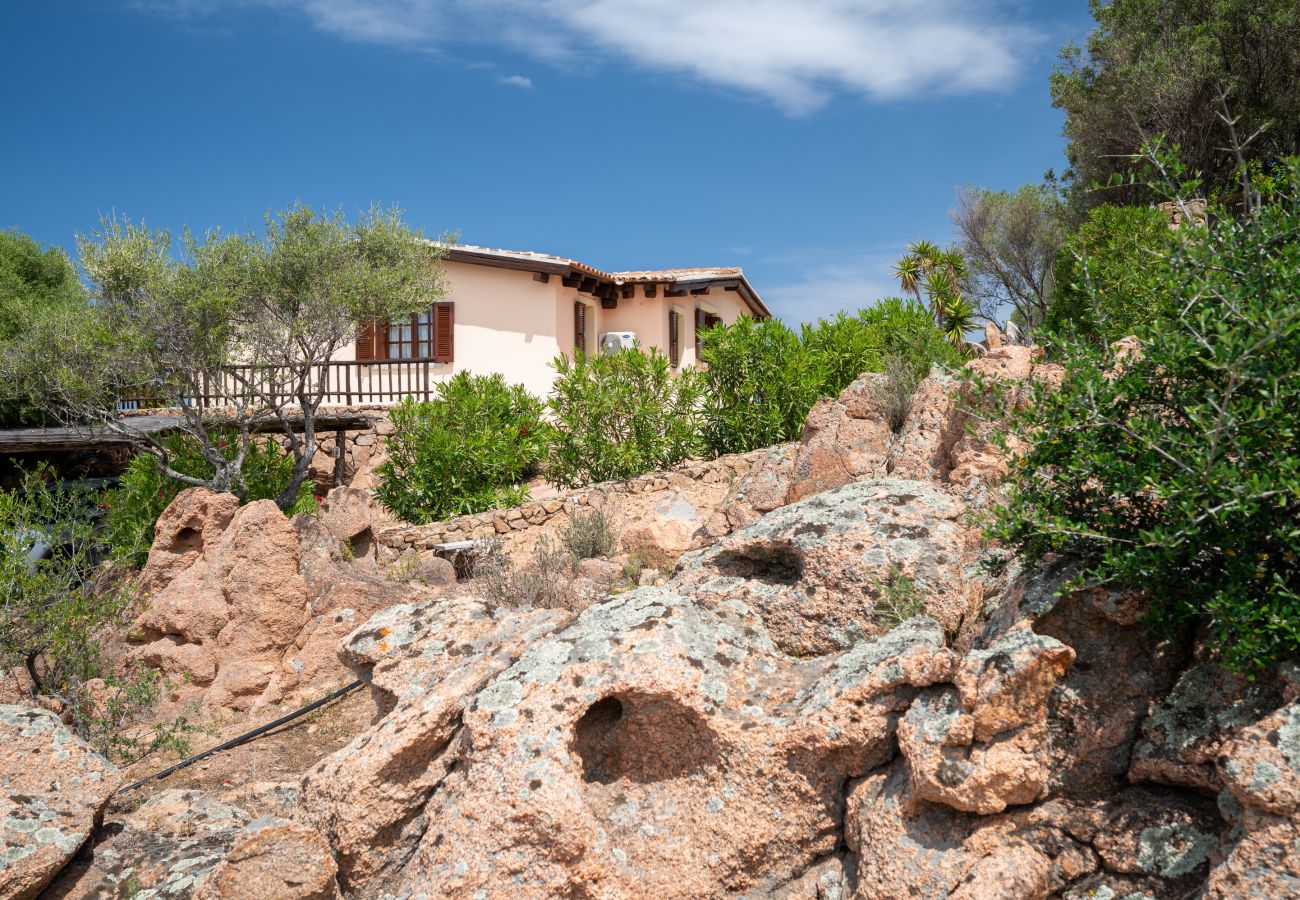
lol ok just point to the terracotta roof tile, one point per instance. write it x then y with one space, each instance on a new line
674 276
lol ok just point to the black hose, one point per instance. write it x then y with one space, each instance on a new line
245 738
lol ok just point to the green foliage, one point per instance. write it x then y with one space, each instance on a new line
35 284
1110 279
247 320
1179 472
760 383
897 599
844 347
619 415
590 534
145 492
56 610
545 580
906 331
108 718
1158 66
53 607
467 450
937 275
763 378
1009 242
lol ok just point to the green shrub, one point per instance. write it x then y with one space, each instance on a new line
145 492
589 534
842 348
58 609
760 383
619 415
1109 281
53 606
1179 472
763 378
905 331
468 450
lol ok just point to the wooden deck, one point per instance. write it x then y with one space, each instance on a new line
51 440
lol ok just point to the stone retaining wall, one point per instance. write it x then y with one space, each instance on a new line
359 447
538 512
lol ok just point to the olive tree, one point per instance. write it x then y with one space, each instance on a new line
229 331
1010 242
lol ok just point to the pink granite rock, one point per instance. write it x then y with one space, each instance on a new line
53 788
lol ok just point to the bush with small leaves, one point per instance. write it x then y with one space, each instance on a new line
545 581
1177 470
589 534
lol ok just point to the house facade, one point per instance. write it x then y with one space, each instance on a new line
513 312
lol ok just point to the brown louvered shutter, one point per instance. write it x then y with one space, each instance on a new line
580 325
372 340
444 332
674 337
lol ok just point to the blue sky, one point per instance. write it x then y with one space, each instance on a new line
806 140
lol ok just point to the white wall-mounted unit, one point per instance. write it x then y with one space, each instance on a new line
614 341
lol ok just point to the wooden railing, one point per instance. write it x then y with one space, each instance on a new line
348 383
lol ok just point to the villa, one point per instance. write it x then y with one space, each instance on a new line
513 312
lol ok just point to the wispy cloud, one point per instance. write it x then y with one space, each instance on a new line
519 81
794 53
849 283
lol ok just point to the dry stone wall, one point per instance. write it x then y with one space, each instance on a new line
535 513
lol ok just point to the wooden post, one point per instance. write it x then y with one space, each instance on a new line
340 441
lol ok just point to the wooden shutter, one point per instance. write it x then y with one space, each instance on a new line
674 337
444 332
372 340
580 325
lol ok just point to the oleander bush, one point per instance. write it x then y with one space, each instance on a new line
619 415
1178 471
470 449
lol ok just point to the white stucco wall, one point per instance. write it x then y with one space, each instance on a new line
508 322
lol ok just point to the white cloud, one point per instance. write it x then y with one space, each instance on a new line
794 53
519 81
832 287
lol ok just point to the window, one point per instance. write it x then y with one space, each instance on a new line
426 335
579 326
674 338
703 319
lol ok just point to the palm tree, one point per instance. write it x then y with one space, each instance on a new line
909 272
959 317
939 274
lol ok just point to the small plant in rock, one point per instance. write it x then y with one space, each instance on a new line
406 568
113 718
545 581
895 389
590 534
469 449
897 599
